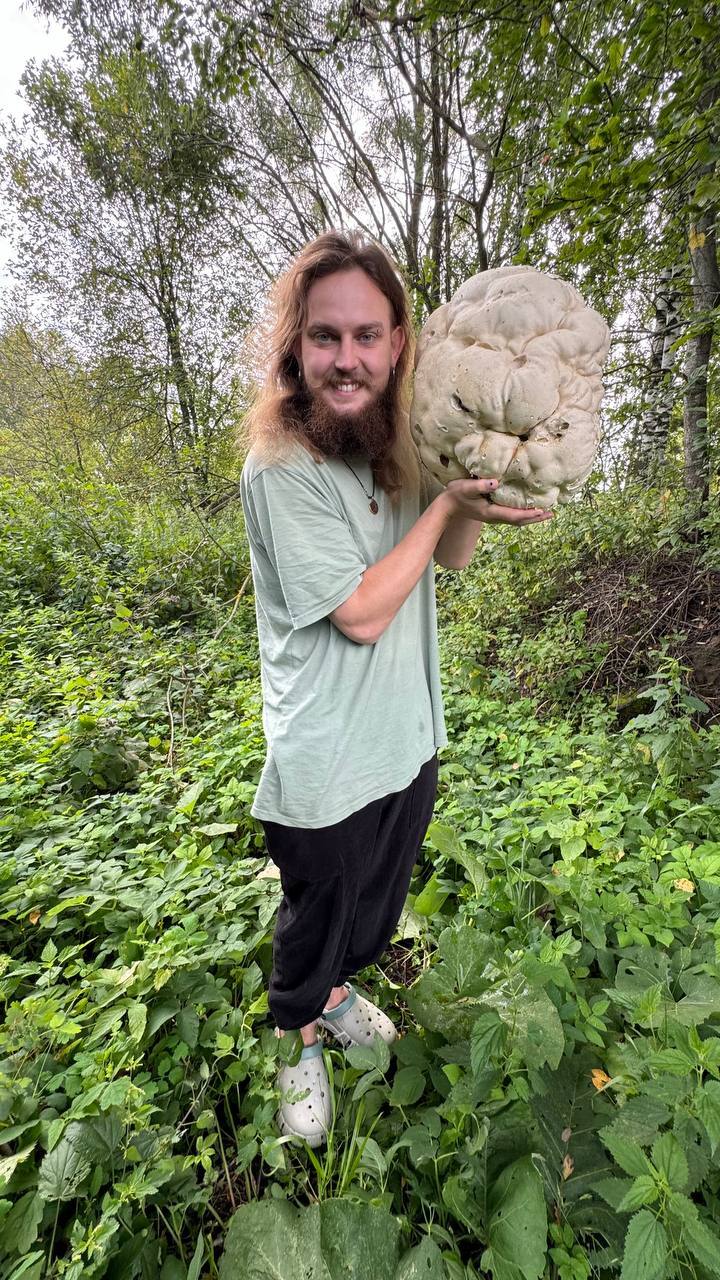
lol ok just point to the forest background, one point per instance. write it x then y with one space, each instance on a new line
553 1108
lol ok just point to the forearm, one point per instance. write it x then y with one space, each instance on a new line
387 584
457 544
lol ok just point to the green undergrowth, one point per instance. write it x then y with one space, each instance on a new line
552 1109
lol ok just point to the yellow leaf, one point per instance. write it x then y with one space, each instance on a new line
34 916
696 239
685 886
568 1165
599 1078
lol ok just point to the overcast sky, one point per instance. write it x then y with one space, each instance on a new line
22 36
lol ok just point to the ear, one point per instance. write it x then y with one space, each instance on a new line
397 342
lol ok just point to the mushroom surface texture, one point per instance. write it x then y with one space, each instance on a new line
507 384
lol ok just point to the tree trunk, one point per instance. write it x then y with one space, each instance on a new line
706 296
652 436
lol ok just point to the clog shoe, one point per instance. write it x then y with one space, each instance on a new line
357 1021
309 1116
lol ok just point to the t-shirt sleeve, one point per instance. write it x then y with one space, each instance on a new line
307 539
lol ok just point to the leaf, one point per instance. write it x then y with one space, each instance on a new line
62 1171
707 1101
517 1229
697 1235
643 1190
630 1158
430 898
645 1248
333 1240
701 1001
424 1262
97 1137
640 1119
487 1039
8 1164
613 1190
137 1021
20 1228
407 1087
188 1025
197 1258
443 838
190 797
669 1157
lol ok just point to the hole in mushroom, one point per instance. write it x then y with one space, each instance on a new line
457 403
444 461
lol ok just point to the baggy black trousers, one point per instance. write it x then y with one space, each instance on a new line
344 888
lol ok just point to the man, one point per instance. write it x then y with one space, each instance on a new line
343 530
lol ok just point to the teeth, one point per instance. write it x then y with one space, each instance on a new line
346 386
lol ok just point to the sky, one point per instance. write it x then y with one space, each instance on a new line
23 35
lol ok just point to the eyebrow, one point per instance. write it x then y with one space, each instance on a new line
360 328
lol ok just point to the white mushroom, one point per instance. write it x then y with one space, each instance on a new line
507 384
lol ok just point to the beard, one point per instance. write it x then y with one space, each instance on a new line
371 431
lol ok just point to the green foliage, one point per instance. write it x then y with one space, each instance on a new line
553 1108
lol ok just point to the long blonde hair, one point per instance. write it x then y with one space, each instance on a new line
273 422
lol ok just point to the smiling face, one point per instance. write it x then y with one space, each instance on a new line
348 345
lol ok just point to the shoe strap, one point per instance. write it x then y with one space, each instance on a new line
340 1009
311 1051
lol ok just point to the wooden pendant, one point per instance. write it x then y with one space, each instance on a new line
374 506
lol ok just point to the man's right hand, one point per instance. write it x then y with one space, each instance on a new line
469 499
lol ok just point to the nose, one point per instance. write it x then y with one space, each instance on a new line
346 356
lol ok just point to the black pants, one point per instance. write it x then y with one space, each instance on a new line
344 888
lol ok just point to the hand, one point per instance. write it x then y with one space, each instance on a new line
467 498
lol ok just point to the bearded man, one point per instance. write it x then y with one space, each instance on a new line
344 529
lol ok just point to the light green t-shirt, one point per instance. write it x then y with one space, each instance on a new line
345 723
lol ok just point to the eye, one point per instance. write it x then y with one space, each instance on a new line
322 338
367 338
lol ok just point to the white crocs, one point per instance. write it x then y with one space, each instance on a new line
357 1021
305 1108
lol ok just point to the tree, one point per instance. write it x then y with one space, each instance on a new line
119 190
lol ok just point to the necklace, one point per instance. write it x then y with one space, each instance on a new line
373 504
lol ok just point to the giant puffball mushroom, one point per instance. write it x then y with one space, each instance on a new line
507 384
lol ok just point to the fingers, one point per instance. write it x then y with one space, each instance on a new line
473 488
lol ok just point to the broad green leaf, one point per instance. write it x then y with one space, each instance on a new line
443 838
532 1020
487 1039
697 1235
8 1164
430 898
701 1001
188 1025
457 1194
645 1248
20 1228
424 1262
190 797
644 1190
333 1240
669 1157
62 1171
137 1020
631 1159
407 1087
707 1101
613 1190
97 1137
640 1119
517 1229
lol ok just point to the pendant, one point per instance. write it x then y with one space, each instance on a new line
374 506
